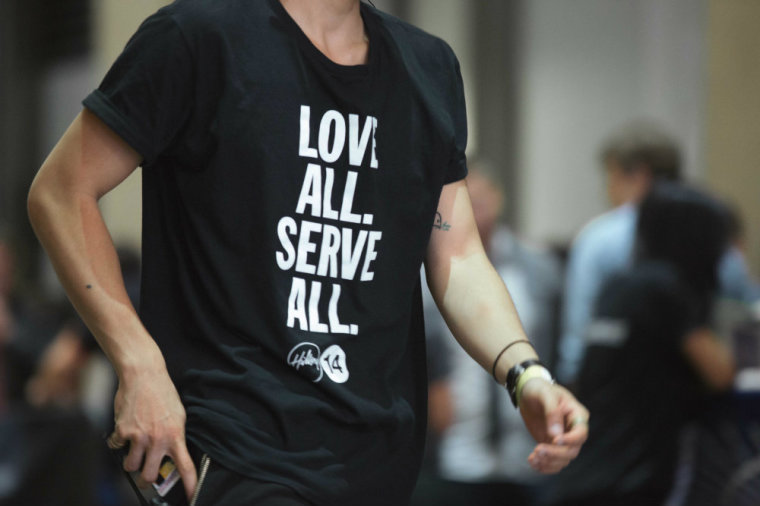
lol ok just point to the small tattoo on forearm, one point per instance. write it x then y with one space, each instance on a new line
440 224
89 287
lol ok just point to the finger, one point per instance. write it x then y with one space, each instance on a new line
134 458
115 442
153 460
549 459
186 468
576 434
554 452
578 420
549 467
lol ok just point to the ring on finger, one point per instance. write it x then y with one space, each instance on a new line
115 443
578 420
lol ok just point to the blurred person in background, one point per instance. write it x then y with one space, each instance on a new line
67 374
652 360
634 157
48 446
482 451
51 442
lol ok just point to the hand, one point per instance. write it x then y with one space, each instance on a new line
151 417
556 420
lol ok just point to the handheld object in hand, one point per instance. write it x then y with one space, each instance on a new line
167 490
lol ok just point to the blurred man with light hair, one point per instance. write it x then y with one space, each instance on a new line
634 157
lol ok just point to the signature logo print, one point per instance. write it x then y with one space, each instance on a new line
304 357
334 364
308 360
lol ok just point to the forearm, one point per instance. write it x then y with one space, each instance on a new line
71 229
467 289
63 210
480 313
478 309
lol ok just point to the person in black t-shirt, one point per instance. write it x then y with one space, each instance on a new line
651 359
295 154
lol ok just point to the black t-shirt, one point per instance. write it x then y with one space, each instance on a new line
287 206
637 385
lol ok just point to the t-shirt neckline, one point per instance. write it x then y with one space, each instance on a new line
315 53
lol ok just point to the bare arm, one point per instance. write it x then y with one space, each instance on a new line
87 162
711 360
477 307
470 294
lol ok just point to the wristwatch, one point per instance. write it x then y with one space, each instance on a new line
519 374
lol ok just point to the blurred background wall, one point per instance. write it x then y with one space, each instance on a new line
733 112
546 80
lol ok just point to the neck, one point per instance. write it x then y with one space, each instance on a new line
335 27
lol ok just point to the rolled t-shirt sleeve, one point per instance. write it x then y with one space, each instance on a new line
145 97
457 167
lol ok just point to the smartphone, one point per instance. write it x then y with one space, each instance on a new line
167 490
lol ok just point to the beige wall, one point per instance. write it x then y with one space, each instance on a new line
584 68
733 111
115 22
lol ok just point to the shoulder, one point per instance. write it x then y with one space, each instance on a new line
420 50
413 38
188 13
610 235
199 19
618 222
428 65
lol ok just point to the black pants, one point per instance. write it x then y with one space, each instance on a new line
222 487
633 499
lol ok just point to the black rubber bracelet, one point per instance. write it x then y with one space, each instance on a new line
496 360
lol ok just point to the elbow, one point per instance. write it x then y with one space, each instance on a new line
41 202
36 202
